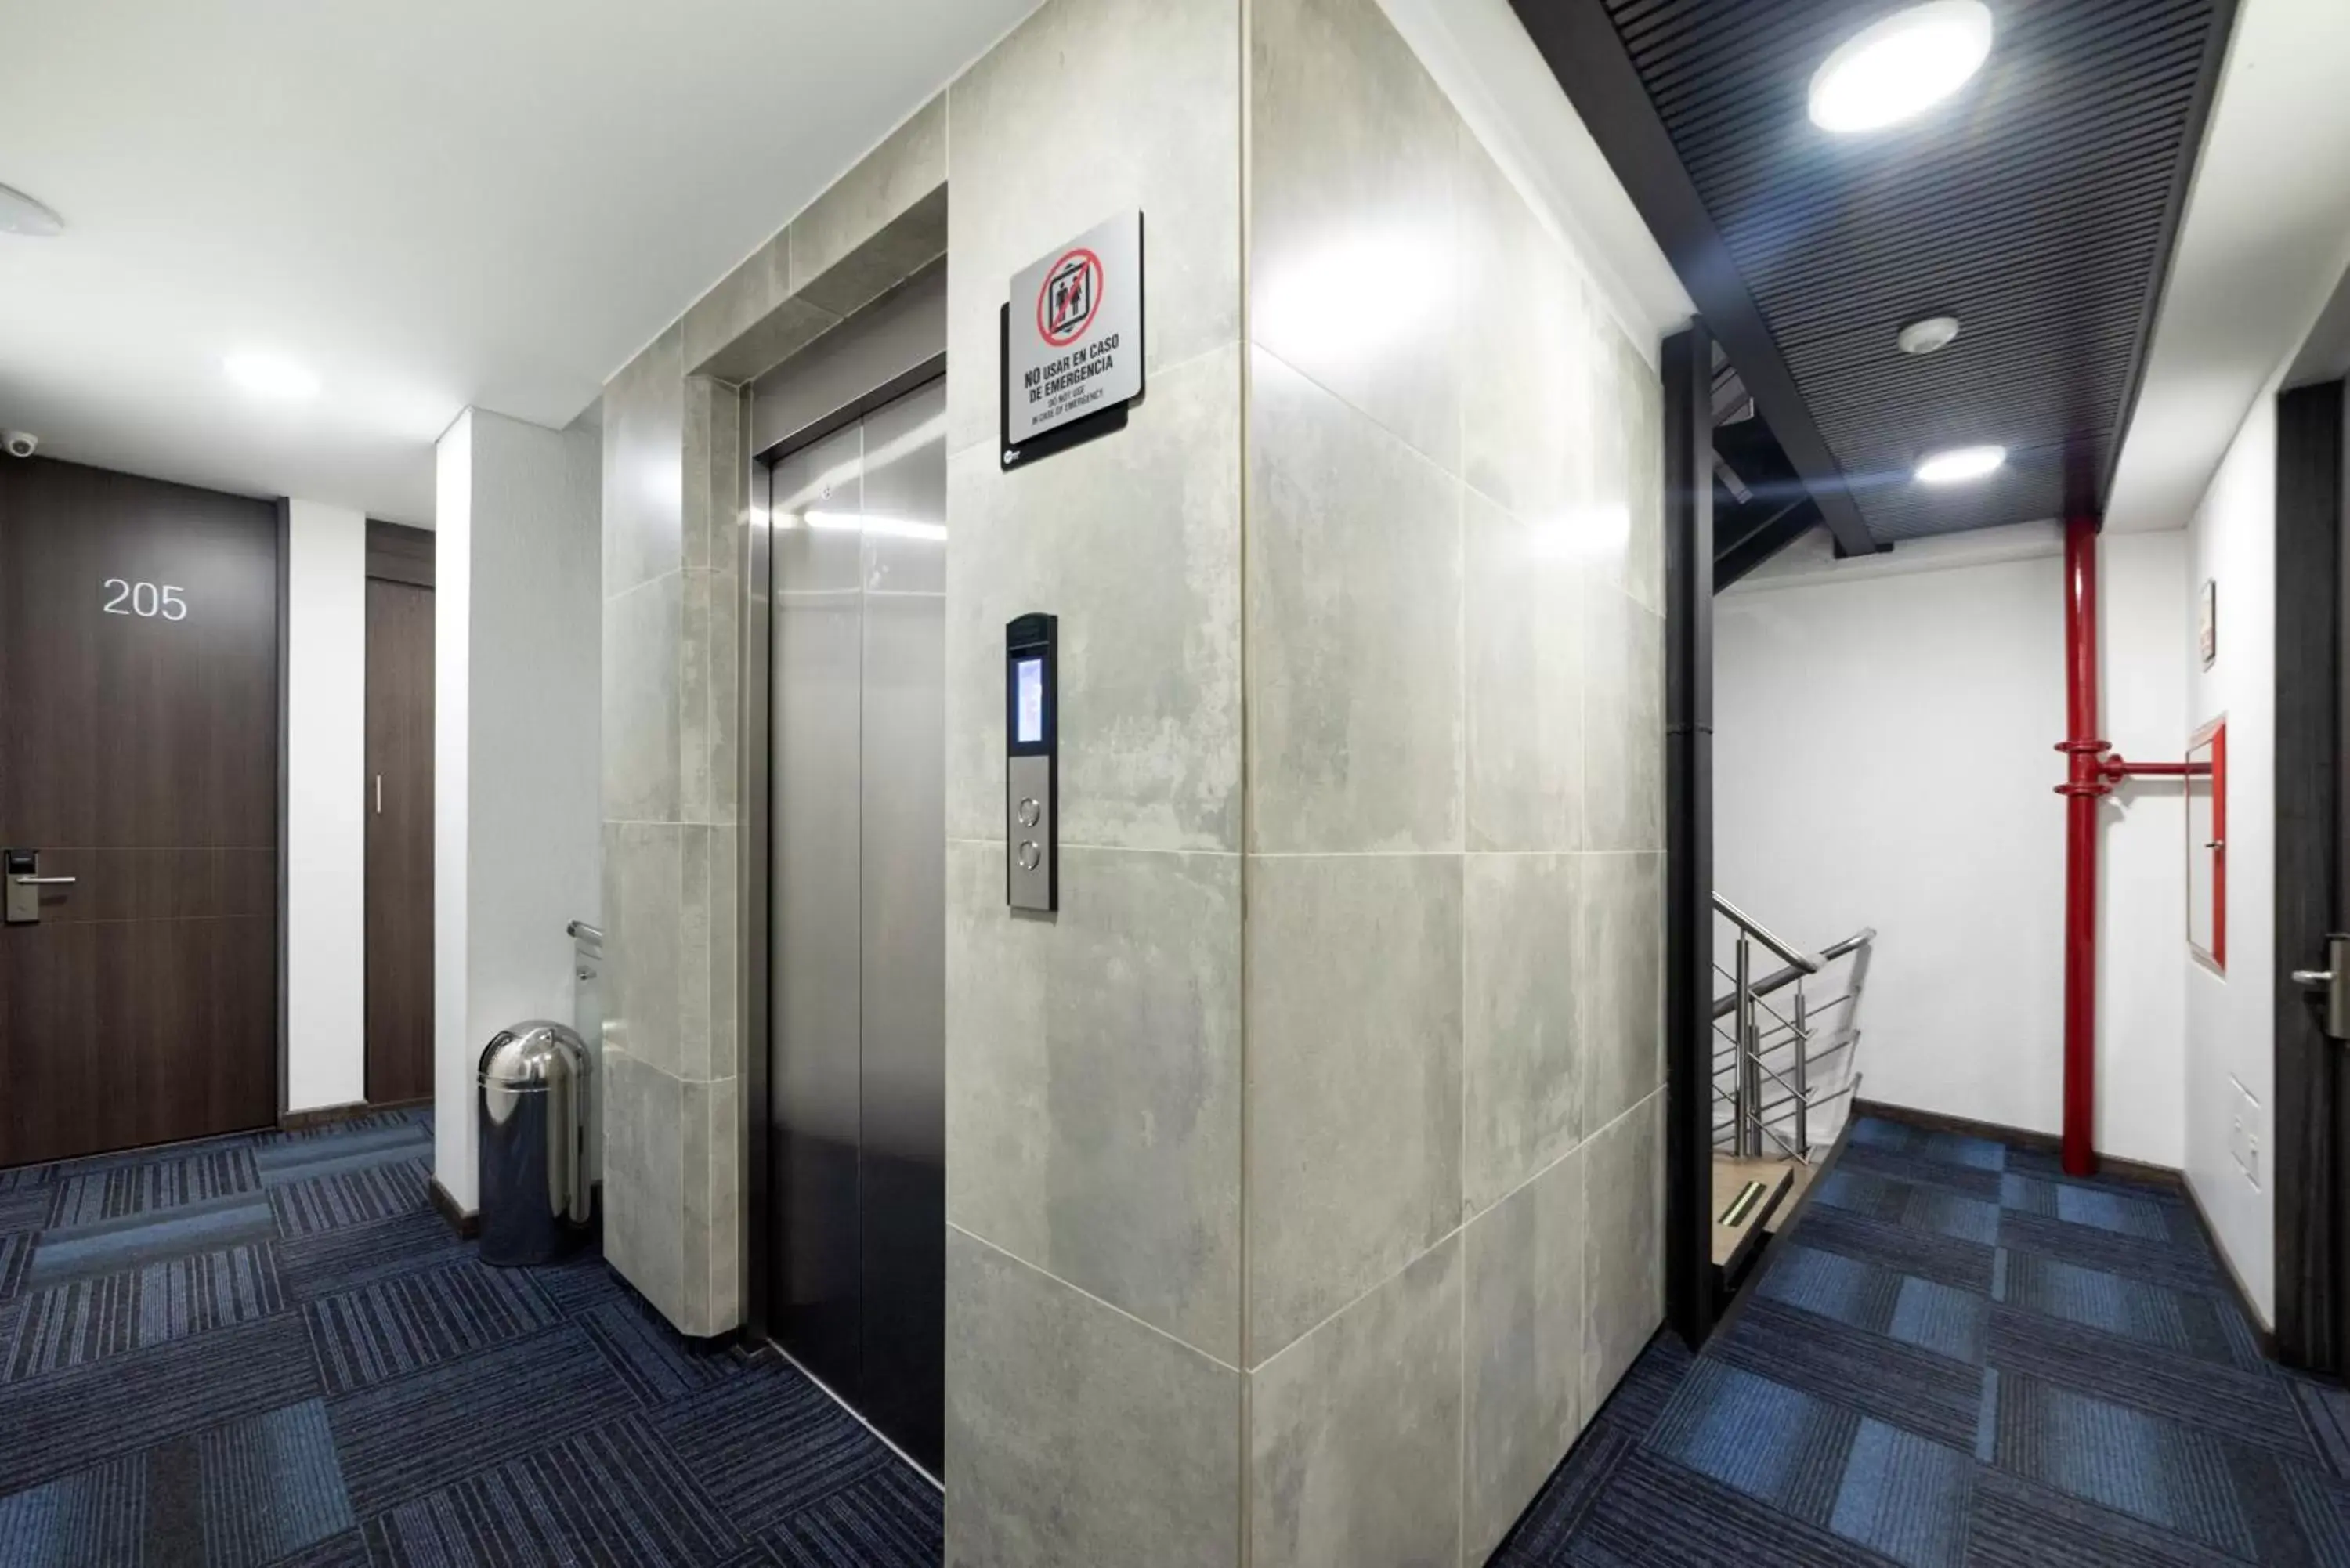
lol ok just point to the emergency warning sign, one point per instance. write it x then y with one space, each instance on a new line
1073 331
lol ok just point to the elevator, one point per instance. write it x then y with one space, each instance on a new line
852 1229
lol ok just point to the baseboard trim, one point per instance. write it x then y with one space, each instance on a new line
326 1116
466 1223
1935 1121
2261 1333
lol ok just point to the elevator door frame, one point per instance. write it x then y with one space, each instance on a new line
757 746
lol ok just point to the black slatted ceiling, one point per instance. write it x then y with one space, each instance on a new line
2035 206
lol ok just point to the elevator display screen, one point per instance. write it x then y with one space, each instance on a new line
1028 677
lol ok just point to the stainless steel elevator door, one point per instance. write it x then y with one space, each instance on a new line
857 914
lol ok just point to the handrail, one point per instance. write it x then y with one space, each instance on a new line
1763 934
1778 980
1750 1111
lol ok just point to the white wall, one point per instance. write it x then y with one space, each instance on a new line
2231 1031
1884 756
2142 957
326 825
517 727
452 583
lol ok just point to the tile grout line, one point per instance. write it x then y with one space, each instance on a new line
1460 1230
1175 1339
1243 1524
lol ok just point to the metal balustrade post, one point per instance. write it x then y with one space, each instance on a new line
1748 1102
1803 1078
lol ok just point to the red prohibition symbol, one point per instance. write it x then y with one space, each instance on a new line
1070 299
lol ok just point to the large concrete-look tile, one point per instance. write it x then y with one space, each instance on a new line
1169 72
770 341
1354 625
1633 425
1527 429
1623 1245
836 261
1354 1078
1094 1080
1522 1046
1619 969
643 921
1352 266
1624 721
644 420
643 721
706 924
1524 1351
736 302
1074 1436
644 1180
1523 619
710 1232
716 474
709 705
1355 1431
720 649
1135 542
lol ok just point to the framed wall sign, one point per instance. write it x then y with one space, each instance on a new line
1072 341
2207 845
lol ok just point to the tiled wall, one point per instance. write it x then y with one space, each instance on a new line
1454 872
675 465
671 1068
1304 1171
1094 1064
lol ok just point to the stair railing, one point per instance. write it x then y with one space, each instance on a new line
1752 1118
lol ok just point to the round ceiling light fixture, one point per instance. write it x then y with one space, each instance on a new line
1960 463
268 376
1928 335
1900 66
20 215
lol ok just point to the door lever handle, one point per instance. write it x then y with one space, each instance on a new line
44 881
2333 980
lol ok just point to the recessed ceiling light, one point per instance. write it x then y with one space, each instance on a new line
20 215
1927 336
269 375
1960 464
1900 66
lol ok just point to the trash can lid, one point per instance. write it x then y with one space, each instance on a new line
537 1054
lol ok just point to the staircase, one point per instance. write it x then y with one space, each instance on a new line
1785 1070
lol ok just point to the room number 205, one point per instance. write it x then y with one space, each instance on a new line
149 599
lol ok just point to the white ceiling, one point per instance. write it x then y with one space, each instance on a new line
2264 243
432 204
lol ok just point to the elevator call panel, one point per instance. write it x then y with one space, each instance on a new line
1032 735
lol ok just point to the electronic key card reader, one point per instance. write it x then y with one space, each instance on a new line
1032 734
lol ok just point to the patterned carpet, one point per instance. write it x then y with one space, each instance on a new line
1960 1355
270 1350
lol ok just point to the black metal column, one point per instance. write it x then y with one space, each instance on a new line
1688 369
2313 1295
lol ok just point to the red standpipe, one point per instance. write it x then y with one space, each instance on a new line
2086 783
2090 776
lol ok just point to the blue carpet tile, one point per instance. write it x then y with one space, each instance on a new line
268 1350
1960 1358
78 1322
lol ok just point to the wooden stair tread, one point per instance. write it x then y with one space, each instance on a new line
1738 1227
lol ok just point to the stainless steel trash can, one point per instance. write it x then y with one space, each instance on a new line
534 1107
